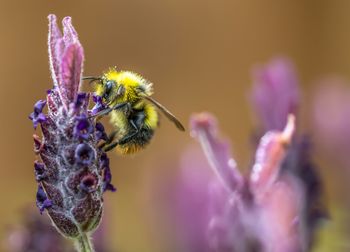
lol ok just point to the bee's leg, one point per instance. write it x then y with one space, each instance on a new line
108 110
120 91
125 139
109 140
111 136
90 78
122 105
111 146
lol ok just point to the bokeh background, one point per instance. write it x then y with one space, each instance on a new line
199 55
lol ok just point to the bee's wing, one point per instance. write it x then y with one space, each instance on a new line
166 112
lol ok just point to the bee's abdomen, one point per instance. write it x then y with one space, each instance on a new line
136 143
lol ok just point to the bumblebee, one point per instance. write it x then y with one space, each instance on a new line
132 110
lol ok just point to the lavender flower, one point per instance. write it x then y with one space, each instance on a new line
71 171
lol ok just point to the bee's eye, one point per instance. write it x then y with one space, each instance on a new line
108 88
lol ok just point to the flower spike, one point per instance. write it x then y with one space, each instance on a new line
69 167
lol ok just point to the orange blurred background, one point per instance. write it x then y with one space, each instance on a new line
199 55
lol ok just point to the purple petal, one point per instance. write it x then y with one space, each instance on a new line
39 106
107 175
218 152
107 179
270 154
36 120
39 169
54 56
84 154
41 200
70 36
83 128
109 187
100 133
275 93
41 117
104 161
70 73
82 100
99 105
37 116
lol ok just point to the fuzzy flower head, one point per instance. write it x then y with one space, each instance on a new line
71 168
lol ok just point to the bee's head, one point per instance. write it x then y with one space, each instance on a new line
108 88
111 90
122 86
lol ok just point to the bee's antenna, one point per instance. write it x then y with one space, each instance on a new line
91 78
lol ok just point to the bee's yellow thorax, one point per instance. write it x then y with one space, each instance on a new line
132 83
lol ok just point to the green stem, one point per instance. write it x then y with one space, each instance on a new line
84 244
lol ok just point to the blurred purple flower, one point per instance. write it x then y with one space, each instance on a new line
262 212
275 93
70 174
